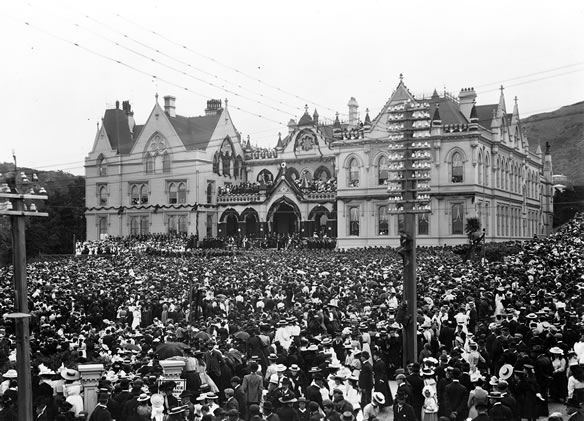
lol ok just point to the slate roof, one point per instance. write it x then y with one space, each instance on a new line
116 126
195 132
485 114
449 111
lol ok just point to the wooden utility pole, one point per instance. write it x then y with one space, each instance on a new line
12 204
409 155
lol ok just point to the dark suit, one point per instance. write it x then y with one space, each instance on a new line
366 383
417 384
456 398
482 417
406 413
500 412
313 394
100 413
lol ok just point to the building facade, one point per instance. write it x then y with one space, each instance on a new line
195 175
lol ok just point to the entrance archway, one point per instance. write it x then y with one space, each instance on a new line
231 225
284 217
285 220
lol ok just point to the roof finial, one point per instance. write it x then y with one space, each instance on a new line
306 108
226 101
156 96
501 88
515 99
401 77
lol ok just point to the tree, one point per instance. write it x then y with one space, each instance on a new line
472 228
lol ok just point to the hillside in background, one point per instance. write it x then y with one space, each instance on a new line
54 234
564 130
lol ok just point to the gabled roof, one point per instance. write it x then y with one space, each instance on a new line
116 126
305 120
485 114
449 111
195 132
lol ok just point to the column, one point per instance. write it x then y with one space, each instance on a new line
90 375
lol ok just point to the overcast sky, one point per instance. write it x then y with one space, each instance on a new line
269 58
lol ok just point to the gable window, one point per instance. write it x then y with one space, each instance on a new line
149 164
166 162
382 171
101 167
354 173
354 220
457 168
457 218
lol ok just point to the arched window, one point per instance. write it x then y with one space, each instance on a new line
265 176
226 164
487 169
498 173
382 171
166 162
322 174
144 194
149 164
103 196
135 195
101 167
209 192
293 173
216 163
511 176
182 193
354 173
457 168
172 193
480 169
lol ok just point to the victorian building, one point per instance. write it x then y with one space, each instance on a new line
196 175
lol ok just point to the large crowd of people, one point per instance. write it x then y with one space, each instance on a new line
303 335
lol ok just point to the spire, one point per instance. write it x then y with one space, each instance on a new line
248 144
501 110
435 94
436 120
315 117
337 129
367 124
305 120
280 145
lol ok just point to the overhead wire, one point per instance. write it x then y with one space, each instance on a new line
171 83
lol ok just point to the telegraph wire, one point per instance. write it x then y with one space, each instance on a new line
234 69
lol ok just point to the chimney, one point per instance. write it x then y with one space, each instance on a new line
130 114
353 111
169 107
213 107
466 99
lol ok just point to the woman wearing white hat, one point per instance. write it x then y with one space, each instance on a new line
72 390
559 384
